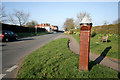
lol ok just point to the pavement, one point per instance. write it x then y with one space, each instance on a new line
74 46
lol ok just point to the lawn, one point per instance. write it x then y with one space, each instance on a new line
55 60
110 48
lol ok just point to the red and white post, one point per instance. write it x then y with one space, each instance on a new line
85 28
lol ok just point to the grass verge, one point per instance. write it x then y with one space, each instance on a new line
109 49
55 60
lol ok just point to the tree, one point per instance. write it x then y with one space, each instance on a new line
76 24
105 23
32 24
2 13
68 24
18 17
80 16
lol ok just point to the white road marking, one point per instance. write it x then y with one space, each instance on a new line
1 76
12 68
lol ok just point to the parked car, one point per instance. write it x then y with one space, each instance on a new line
1 36
8 35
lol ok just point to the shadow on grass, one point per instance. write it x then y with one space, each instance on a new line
103 54
91 64
100 58
119 75
107 41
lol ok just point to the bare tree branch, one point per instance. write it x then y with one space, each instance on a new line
105 22
11 19
2 13
19 17
80 16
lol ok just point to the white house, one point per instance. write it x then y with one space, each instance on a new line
45 26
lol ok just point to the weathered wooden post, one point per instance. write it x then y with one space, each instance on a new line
85 28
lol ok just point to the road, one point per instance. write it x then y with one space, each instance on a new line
14 52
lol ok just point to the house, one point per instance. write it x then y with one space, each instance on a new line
45 26
54 28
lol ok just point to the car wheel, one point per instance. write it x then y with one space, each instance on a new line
6 39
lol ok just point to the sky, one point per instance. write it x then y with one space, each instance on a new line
56 13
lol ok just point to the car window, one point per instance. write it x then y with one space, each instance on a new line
11 33
8 33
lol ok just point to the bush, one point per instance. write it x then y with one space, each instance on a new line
71 31
77 33
112 28
74 32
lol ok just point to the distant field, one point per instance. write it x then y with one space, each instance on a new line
55 60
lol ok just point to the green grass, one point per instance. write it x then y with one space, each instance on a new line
20 35
66 34
103 47
76 37
111 28
55 60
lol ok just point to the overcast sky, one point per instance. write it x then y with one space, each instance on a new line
56 13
